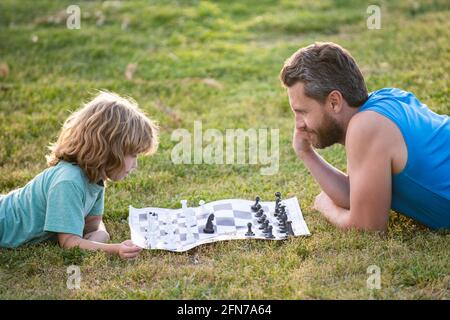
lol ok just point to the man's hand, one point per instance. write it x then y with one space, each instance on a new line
322 203
336 215
128 250
300 142
325 205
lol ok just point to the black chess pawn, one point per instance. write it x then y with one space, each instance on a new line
282 218
277 206
264 225
279 216
269 234
282 222
255 206
259 213
262 219
290 231
278 194
282 212
249 233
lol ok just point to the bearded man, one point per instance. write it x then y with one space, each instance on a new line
398 150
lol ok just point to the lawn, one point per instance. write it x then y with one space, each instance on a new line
215 62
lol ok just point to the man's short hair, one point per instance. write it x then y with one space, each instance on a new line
323 67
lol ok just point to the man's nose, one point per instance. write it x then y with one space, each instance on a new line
299 122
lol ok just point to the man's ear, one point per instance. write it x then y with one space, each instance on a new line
335 101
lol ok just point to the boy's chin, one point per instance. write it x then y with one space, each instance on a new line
116 179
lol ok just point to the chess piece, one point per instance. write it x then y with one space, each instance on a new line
290 231
191 219
277 206
184 207
249 233
255 206
262 219
209 227
266 226
190 238
282 219
282 212
282 228
202 205
259 213
269 234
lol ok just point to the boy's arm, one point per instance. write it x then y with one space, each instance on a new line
95 230
126 249
93 223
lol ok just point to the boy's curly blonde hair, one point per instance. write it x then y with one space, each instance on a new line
99 135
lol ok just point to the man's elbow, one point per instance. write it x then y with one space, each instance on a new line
357 223
353 221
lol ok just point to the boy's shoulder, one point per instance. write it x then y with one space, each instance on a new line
67 172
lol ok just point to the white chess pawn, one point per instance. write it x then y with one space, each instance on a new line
186 210
190 238
202 204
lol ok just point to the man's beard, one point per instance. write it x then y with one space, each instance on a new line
328 134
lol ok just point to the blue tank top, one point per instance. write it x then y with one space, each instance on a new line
422 190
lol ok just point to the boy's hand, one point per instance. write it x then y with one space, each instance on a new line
128 250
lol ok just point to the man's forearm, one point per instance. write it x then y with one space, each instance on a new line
332 181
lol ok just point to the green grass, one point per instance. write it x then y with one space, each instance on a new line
242 46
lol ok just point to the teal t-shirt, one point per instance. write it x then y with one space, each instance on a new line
56 201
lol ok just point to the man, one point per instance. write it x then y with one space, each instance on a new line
398 150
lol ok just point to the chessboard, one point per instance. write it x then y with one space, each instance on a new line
183 229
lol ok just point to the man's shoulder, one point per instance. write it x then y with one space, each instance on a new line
367 124
373 135
388 93
370 129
